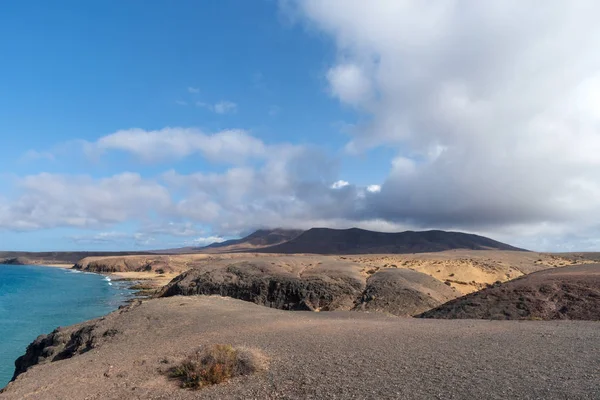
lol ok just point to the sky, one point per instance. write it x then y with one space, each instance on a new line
152 125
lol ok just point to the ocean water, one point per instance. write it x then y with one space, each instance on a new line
36 300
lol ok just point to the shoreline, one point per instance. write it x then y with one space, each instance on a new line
63 266
60 266
143 284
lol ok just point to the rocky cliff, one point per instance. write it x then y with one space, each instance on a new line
318 286
67 342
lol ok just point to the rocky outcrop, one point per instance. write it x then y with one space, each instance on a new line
561 293
67 342
403 292
61 344
270 285
320 287
16 261
146 263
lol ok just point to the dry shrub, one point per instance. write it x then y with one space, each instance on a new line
218 363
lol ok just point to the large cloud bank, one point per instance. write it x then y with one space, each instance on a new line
492 109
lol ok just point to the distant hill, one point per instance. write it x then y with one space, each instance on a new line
56 257
360 241
292 241
260 238
255 241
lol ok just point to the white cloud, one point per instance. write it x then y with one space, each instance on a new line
290 186
193 90
51 200
231 146
339 184
171 234
225 107
350 84
492 107
170 228
181 103
205 241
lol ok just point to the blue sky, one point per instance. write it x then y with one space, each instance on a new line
88 70
137 125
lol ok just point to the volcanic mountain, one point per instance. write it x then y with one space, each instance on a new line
260 239
360 241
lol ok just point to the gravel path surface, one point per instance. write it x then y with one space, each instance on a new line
336 355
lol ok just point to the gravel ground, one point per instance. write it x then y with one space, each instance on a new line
334 355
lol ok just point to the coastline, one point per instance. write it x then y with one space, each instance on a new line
157 279
64 266
58 286
143 283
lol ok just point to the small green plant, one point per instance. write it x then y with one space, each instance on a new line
215 364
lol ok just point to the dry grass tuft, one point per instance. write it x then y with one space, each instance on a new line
218 363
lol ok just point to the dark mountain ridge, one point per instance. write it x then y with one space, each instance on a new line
360 241
260 238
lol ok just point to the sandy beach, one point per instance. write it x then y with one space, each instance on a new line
147 281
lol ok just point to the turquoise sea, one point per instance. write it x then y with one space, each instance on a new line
36 300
